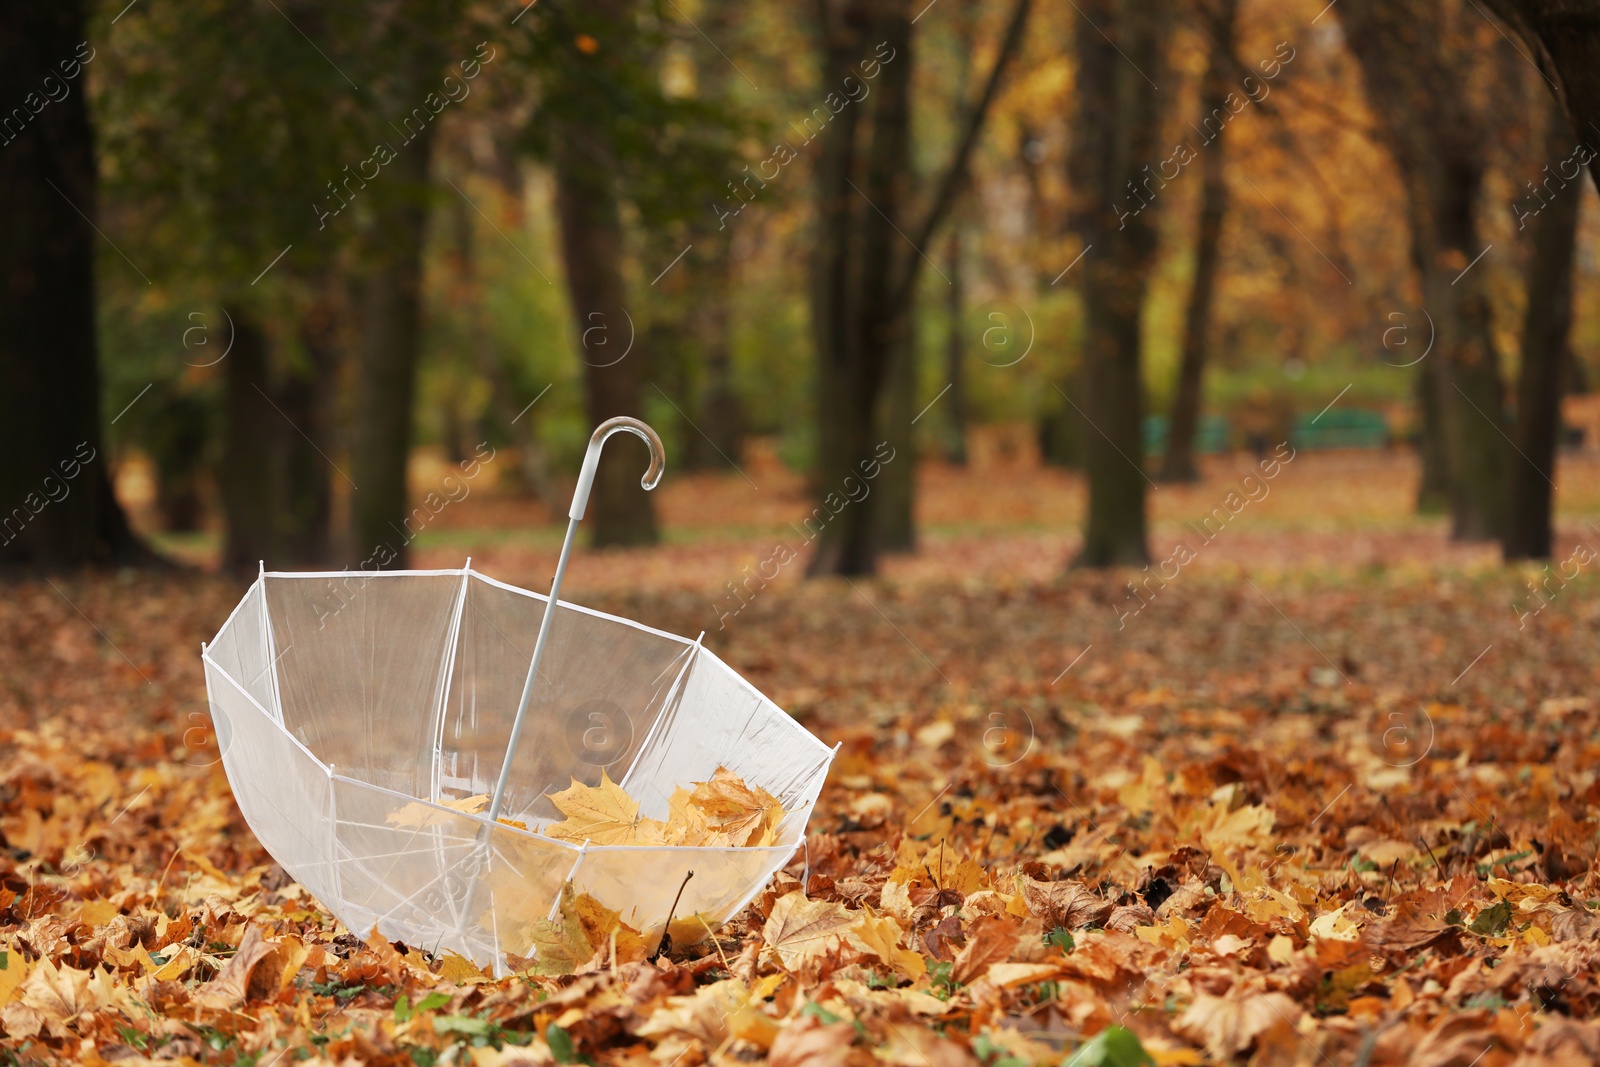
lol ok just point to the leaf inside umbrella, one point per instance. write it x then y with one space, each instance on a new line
722 812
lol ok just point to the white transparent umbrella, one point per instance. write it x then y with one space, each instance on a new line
351 706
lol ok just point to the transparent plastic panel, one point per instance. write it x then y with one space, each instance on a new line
719 720
240 649
438 879
601 689
642 882
361 667
282 792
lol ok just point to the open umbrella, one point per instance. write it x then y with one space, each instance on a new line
353 708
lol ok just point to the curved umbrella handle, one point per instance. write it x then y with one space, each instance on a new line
580 502
591 459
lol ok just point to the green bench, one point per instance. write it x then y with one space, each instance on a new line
1335 428
1211 435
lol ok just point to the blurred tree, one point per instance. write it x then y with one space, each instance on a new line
510 396
55 488
612 137
1546 323
271 243
1117 130
418 40
955 351
1415 56
1220 18
865 270
1565 35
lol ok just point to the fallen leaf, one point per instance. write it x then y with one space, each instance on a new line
799 929
601 814
1228 1025
228 988
989 940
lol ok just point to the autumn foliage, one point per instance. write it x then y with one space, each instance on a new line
1282 816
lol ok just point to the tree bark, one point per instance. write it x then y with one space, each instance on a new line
1565 38
721 415
1178 465
57 509
885 316
620 512
955 354
391 317
1545 325
250 433
850 280
865 273
307 398
1433 486
1116 131
1414 61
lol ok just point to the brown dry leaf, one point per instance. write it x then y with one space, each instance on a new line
810 1042
689 824
989 940
700 1018
1228 1025
747 815
719 813
799 929
228 988
57 993
1065 904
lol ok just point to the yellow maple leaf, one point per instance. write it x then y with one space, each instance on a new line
799 929
879 935
12 972
418 814
747 814
602 814
689 825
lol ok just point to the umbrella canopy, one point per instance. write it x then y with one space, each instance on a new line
352 707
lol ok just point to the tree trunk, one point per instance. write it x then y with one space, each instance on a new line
1565 38
391 317
620 512
307 399
1433 487
249 446
955 355
55 485
851 324
1414 62
898 485
1179 463
865 274
1116 130
1545 326
721 417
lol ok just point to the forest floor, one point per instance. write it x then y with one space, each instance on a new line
1325 796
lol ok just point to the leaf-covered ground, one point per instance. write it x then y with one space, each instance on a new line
1296 805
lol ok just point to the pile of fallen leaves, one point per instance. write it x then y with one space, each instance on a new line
1278 817
724 812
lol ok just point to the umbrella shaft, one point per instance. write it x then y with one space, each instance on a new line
533 671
